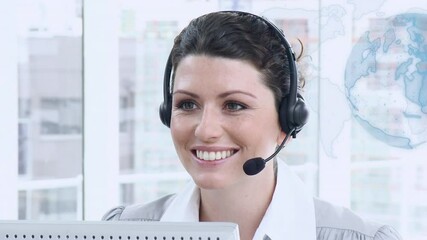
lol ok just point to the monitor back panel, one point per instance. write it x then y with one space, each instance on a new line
117 230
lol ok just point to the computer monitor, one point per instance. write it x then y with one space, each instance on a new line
117 230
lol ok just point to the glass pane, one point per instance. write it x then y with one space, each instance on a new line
386 95
50 204
393 193
50 107
376 192
145 40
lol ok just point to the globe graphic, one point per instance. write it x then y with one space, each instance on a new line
386 80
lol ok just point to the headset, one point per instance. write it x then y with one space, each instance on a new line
293 112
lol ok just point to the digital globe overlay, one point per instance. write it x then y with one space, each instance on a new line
386 80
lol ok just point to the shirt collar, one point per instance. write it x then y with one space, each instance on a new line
289 216
185 206
291 211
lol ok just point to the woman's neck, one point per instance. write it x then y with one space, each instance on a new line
244 203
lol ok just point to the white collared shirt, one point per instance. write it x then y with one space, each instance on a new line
290 214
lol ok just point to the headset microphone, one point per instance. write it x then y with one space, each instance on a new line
255 165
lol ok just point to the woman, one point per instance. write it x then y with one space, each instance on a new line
232 91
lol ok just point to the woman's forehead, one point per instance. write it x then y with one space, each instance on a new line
215 75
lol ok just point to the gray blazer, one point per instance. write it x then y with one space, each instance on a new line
332 222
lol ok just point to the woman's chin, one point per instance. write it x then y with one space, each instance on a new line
210 182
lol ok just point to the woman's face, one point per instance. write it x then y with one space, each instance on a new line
222 116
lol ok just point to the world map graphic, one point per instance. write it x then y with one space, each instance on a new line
386 80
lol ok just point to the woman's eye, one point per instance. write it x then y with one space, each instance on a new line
187 105
233 106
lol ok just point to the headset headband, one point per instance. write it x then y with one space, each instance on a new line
293 113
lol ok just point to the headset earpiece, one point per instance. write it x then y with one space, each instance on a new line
293 115
165 109
165 114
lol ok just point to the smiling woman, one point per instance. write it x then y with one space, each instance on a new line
234 96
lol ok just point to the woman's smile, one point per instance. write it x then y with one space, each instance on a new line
213 155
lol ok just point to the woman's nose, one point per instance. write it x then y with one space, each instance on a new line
209 127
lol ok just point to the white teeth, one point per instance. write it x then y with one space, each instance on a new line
211 156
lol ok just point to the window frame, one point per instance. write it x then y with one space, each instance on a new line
9 110
101 108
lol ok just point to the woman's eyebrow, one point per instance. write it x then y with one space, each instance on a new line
225 94
222 95
193 95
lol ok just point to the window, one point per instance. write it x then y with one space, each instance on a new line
48 40
60 116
